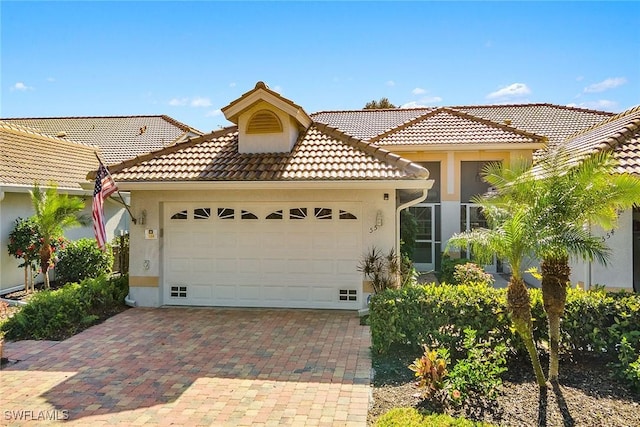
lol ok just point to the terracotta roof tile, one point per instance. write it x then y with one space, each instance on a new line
366 124
619 133
447 126
321 153
555 122
27 156
119 138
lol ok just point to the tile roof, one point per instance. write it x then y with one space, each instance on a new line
447 126
119 137
321 153
555 122
620 133
27 156
366 124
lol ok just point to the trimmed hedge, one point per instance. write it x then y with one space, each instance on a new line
61 313
594 321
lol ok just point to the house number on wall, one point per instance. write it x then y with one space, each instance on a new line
378 223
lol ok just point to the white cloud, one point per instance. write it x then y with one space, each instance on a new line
232 84
512 91
418 91
21 87
488 44
213 113
178 102
200 102
579 78
51 79
196 102
422 102
390 83
606 84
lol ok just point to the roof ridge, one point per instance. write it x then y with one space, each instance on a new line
27 129
166 150
502 126
627 131
604 122
406 124
536 104
87 117
379 153
373 110
181 125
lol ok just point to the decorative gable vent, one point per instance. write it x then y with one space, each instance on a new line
264 121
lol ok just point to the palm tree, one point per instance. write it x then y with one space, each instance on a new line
54 213
562 201
510 239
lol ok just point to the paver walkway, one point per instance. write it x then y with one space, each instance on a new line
194 367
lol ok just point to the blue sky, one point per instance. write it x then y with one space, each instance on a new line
189 59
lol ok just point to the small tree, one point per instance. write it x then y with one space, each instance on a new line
24 244
382 103
53 213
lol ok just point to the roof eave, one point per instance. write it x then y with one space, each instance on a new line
390 184
465 147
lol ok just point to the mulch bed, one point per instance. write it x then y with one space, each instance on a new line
587 395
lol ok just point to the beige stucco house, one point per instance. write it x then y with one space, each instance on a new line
278 209
275 211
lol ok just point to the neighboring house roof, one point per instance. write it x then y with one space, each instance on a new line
321 153
447 126
119 137
366 124
620 133
555 122
27 156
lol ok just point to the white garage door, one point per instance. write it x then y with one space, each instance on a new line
263 255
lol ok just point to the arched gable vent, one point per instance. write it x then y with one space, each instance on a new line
264 121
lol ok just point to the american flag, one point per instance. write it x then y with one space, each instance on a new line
105 186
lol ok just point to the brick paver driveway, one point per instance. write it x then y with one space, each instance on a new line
196 366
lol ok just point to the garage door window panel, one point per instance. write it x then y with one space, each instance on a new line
180 215
298 213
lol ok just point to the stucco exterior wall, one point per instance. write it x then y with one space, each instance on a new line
618 274
146 255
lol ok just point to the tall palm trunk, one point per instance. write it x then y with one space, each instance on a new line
555 276
45 259
519 305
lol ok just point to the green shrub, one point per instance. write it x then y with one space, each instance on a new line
61 313
471 273
479 372
448 267
595 322
83 259
411 417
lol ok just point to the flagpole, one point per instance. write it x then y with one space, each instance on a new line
133 218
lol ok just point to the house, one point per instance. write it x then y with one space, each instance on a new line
275 211
63 150
278 209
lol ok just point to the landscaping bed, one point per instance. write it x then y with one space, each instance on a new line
587 395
